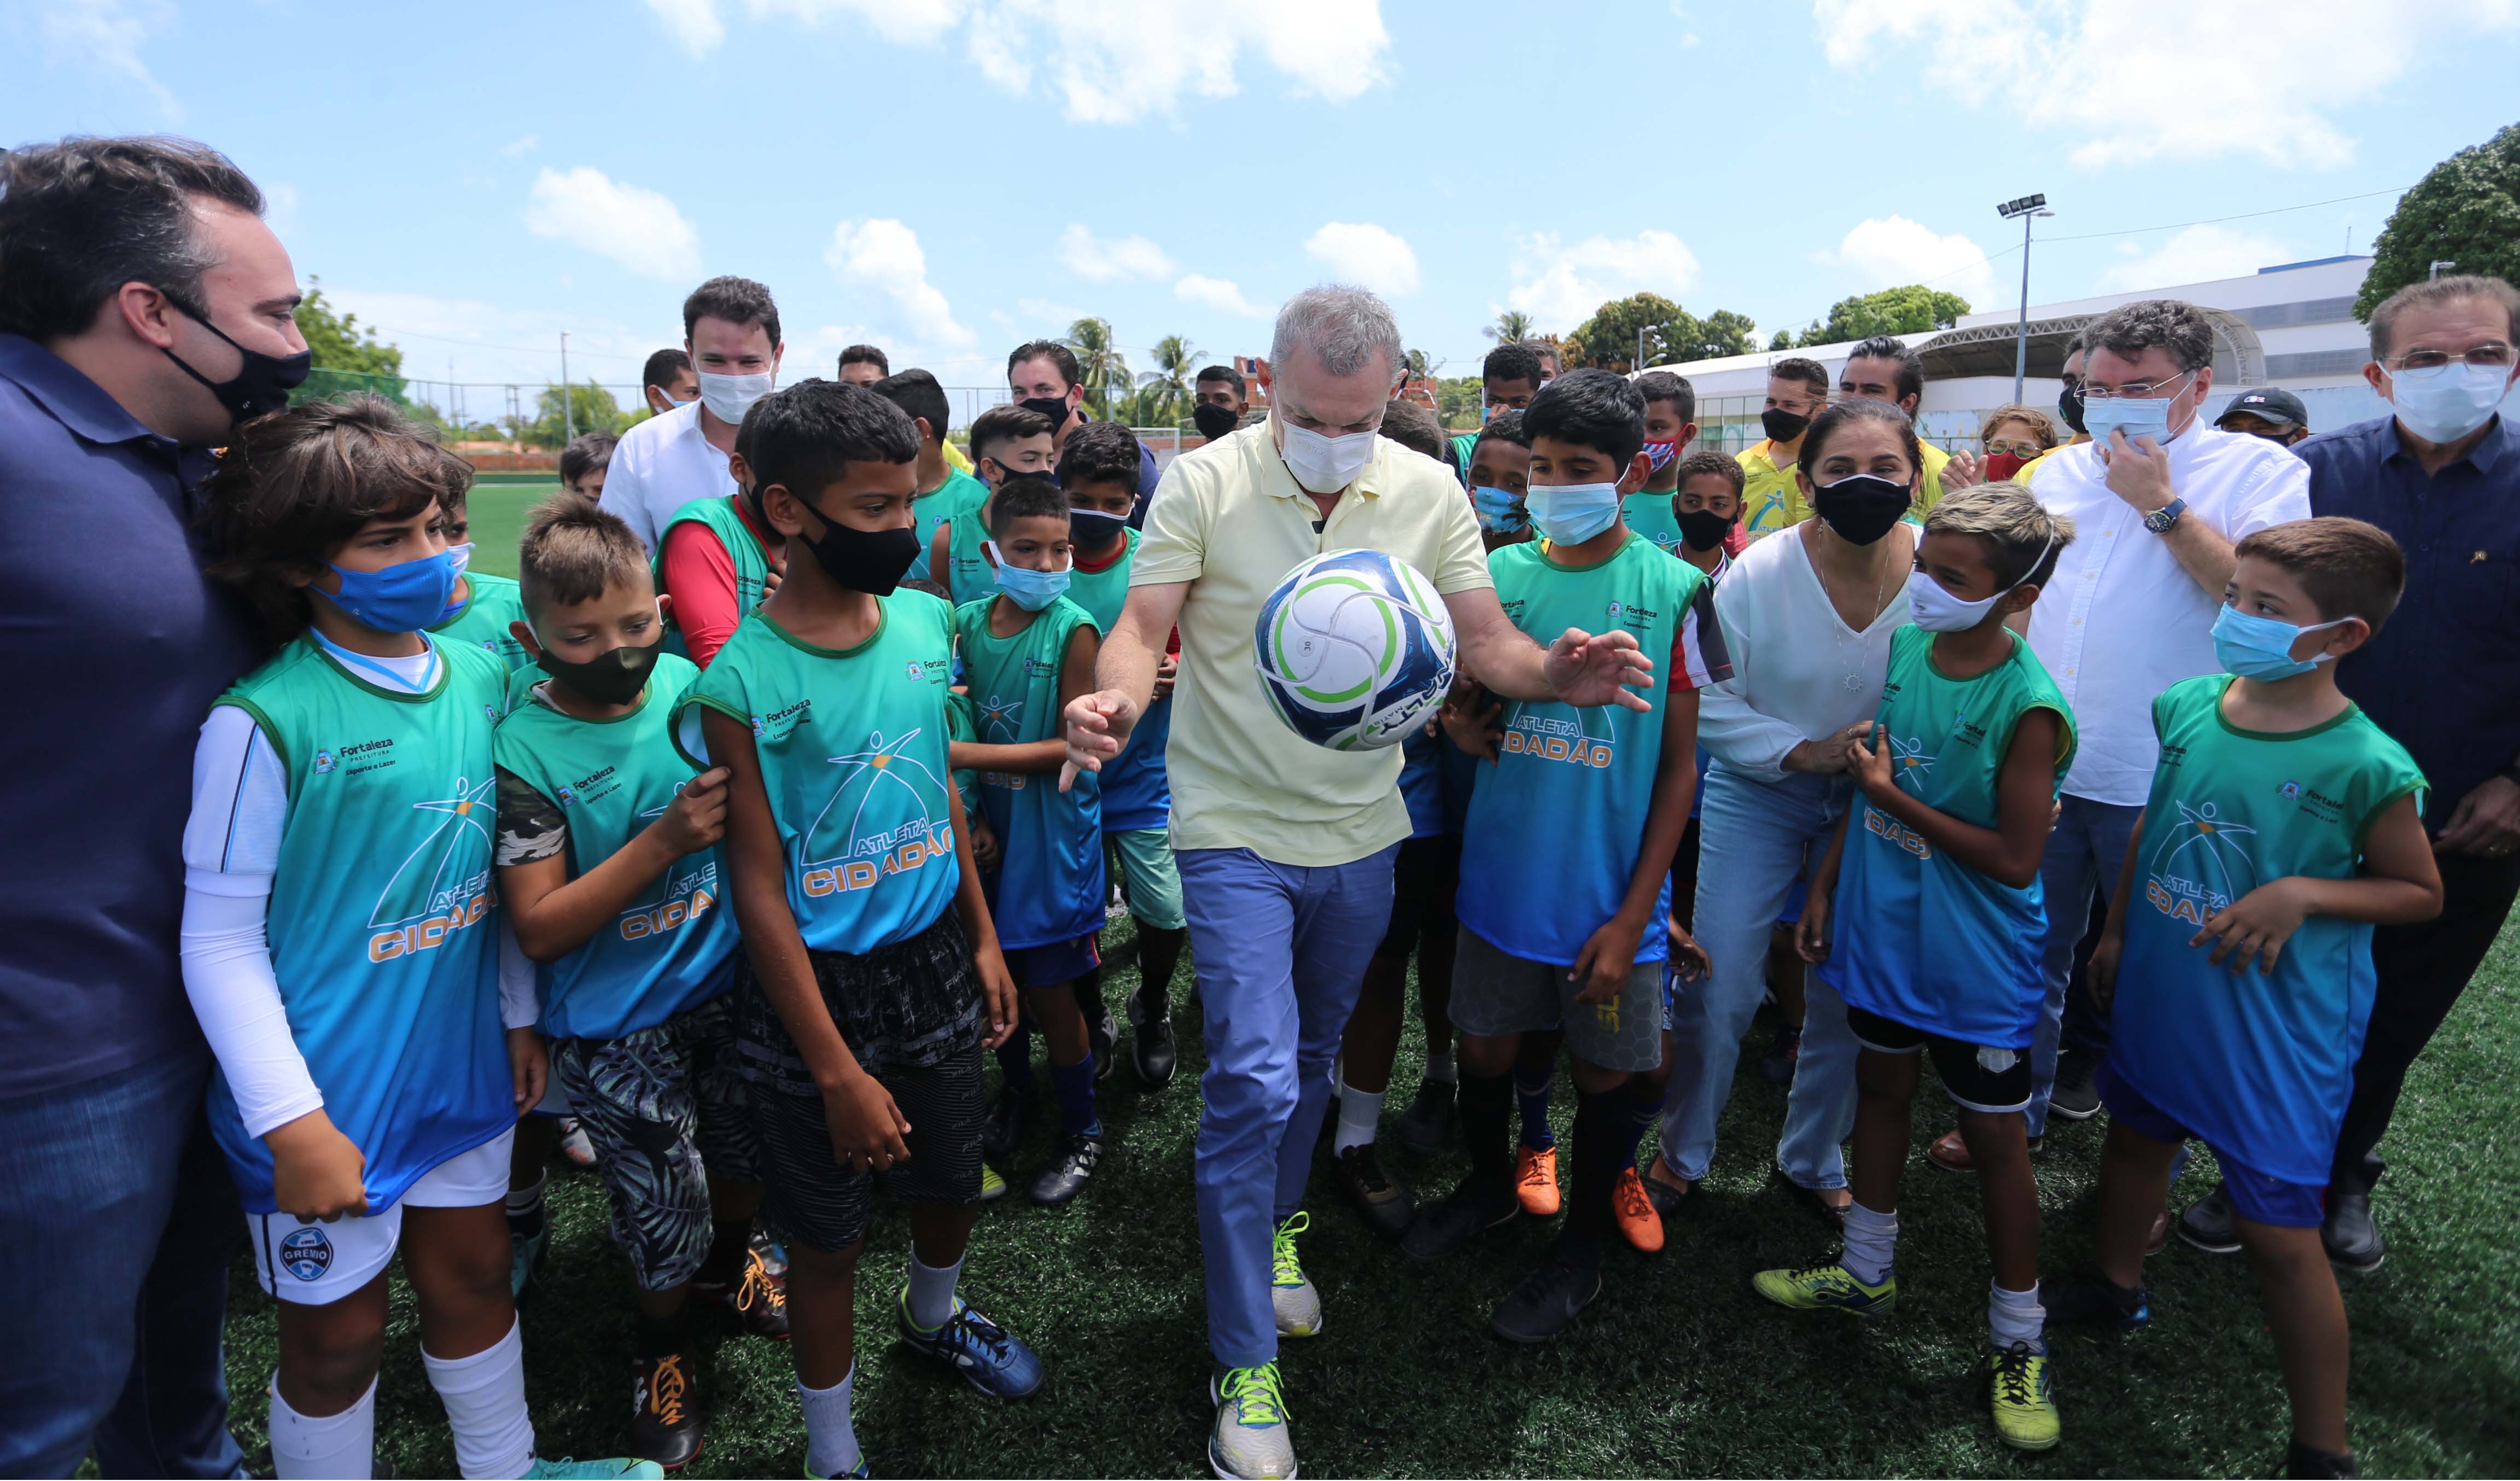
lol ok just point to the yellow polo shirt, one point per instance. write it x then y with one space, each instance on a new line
1773 500
959 459
1229 521
2030 469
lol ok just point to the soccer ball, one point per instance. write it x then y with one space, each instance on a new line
1354 649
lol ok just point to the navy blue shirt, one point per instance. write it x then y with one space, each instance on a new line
2443 677
113 645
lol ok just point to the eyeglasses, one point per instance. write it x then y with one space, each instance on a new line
2133 391
2488 356
1998 446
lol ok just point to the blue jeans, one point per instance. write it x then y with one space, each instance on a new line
117 1331
1281 951
2084 851
1754 839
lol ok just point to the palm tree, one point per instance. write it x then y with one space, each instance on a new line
1417 364
1100 366
1166 390
1510 325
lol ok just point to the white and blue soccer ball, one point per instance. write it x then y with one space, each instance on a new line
1355 650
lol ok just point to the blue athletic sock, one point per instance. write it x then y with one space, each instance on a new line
1644 1109
1074 1086
1532 1095
1014 1061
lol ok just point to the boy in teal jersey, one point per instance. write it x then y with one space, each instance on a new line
1566 852
1026 651
484 607
1006 442
871 981
2282 826
608 864
1671 425
944 490
1932 897
1100 472
339 942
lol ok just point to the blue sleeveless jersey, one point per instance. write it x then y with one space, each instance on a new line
1136 793
1048 886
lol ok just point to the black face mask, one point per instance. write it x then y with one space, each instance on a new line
1093 529
1706 530
609 678
1782 426
1860 509
262 383
2069 405
869 560
1213 421
1055 408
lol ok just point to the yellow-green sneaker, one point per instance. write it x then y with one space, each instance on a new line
1827 1287
1290 1291
2025 1398
993 1186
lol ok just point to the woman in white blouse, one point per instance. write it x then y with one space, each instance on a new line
1808 614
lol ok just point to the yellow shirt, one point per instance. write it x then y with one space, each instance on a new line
1229 521
1771 498
961 460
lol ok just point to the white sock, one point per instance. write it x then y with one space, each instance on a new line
2015 1316
1360 1117
526 1201
1439 1068
931 1296
830 1440
342 1445
1871 1242
486 1407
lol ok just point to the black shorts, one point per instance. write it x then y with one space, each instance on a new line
814 1201
1424 877
1967 1077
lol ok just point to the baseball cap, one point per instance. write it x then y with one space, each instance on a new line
2268 404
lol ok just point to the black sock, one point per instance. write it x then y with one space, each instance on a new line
2302 1460
1486 1127
724 1263
664 1339
1600 1122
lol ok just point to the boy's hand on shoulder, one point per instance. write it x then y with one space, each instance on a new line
2255 926
997 993
866 1128
1475 722
1608 955
528 1067
316 1172
696 817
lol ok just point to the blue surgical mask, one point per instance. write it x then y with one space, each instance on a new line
1571 514
2135 416
2261 647
1029 588
1499 509
2446 404
400 598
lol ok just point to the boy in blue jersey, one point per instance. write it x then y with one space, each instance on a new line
1931 893
1006 442
870 982
1567 853
2283 825
339 941
1026 651
1499 479
608 864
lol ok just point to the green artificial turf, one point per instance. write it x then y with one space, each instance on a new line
498 511
1676 1368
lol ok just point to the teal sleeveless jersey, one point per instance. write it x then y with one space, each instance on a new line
1920 938
959 494
1651 515
1136 793
1555 826
968 573
2259 1066
672 949
1049 841
752 562
489 605
962 723
853 754
380 926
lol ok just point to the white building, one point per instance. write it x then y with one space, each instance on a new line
2291 326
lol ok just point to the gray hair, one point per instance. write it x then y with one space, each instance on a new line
1345 327
2130 329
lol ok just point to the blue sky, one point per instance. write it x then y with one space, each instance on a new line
949 177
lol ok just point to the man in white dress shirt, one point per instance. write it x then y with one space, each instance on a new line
731 331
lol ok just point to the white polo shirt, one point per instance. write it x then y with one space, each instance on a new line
661 465
2121 620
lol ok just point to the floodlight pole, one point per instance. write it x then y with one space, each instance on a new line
2029 208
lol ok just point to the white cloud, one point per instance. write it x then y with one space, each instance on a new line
1107 259
2198 255
2129 81
1890 251
515 147
1218 293
915 22
1362 252
1560 286
638 228
883 257
693 23
105 35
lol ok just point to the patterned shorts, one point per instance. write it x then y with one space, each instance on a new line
666 1108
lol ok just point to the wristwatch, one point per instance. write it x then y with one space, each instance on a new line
2161 519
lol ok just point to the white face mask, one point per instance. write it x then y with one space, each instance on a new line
729 397
1937 611
2446 404
1322 464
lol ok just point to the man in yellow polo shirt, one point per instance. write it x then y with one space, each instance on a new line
1797 390
1285 848
1884 369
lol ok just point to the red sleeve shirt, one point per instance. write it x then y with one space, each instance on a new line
701 574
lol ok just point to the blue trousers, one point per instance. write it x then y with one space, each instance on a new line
2086 848
117 1223
1281 951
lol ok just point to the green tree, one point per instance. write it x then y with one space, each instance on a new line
1910 310
1510 325
589 407
1417 362
2466 209
1784 340
1669 334
347 358
1457 400
1099 364
1162 392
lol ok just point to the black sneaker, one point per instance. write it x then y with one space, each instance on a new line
1152 1054
1065 1178
2076 1097
2092 1300
1545 1304
2209 1225
1785 1053
665 1410
1433 1117
1458 1218
1101 1030
758 1299
1382 1199
2315 1464
998 1138
2350 1235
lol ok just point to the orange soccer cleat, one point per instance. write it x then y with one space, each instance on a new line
1535 1181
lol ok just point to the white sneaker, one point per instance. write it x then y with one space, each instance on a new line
1290 1291
575 1143
1250 1439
